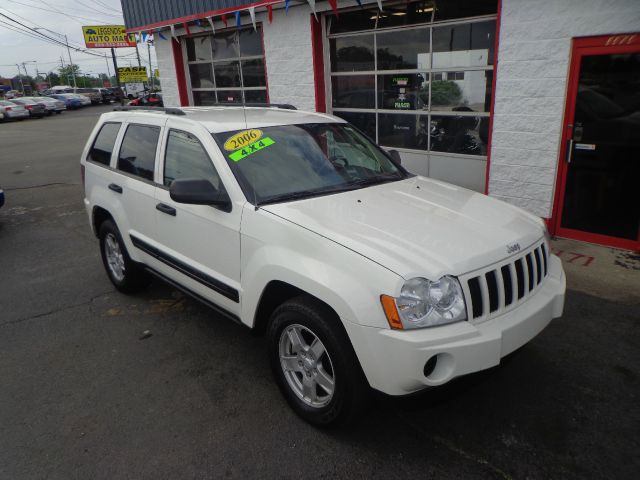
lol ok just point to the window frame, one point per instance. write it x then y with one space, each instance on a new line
240 58
116 145
327 37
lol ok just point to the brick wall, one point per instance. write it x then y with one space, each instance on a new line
534 51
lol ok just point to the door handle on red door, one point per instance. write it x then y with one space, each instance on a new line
115 188
569 150
166 209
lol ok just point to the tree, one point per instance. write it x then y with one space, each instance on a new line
66 73
445 92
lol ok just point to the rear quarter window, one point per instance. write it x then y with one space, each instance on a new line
103 145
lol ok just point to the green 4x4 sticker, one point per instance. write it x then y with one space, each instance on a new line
252 148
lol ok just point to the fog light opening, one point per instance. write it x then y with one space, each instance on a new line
430 366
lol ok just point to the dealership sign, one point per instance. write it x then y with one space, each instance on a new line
133 74
108 36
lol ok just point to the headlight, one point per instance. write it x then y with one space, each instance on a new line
423 303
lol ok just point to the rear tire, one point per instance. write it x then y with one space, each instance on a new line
314 363
125 274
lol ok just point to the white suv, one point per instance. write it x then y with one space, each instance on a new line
297 225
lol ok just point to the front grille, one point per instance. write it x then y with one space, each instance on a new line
496 289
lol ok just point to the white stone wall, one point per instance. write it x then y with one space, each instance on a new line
168 79
289 57
533 62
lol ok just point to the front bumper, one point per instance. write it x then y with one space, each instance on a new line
393 361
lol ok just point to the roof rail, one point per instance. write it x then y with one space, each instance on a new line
284 106
167 110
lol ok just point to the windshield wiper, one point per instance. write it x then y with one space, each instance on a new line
383 178
309 193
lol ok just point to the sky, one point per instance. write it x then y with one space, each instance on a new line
63 17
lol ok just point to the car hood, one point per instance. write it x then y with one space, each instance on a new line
417 226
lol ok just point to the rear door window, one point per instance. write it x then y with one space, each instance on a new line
185 157
138 151
103 145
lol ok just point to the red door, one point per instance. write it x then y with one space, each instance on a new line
598 188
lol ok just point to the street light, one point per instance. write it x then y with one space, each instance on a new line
66 42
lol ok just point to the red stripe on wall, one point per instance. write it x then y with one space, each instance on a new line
493 97
318 64
178 62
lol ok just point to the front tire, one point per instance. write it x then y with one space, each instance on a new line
125 274
314 363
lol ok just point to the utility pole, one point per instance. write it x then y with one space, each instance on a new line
115 68
20 77
62 63
108 71
73 74
150 69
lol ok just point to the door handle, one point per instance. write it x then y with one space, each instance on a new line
569 150
115 188
166 209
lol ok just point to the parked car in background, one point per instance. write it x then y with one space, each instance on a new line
12 94
35 110
91 93
107 95
117 93
51 105
149 100
71 101
84 100
12 111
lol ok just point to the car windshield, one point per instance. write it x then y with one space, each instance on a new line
288 162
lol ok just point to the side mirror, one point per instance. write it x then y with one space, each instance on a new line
199 192
396 156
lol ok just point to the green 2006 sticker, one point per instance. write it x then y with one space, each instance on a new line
252 148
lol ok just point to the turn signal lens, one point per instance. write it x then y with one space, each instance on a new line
391 311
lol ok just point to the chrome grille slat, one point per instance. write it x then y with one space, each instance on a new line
486 290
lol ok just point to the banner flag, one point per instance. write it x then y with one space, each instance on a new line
238 22
252 13
213 29
270 12
312 4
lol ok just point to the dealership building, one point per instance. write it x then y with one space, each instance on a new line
535 102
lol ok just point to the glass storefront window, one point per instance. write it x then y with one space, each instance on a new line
465 45
404 131
352 54
227 74
452 9
253 73
471 89
354 91
198 49
466 135
224 45
400 52
433 80
233 70
403 91
201 75
204 98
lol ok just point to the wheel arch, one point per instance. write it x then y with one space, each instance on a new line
274 294
98 216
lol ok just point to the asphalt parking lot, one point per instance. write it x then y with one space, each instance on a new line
84 394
